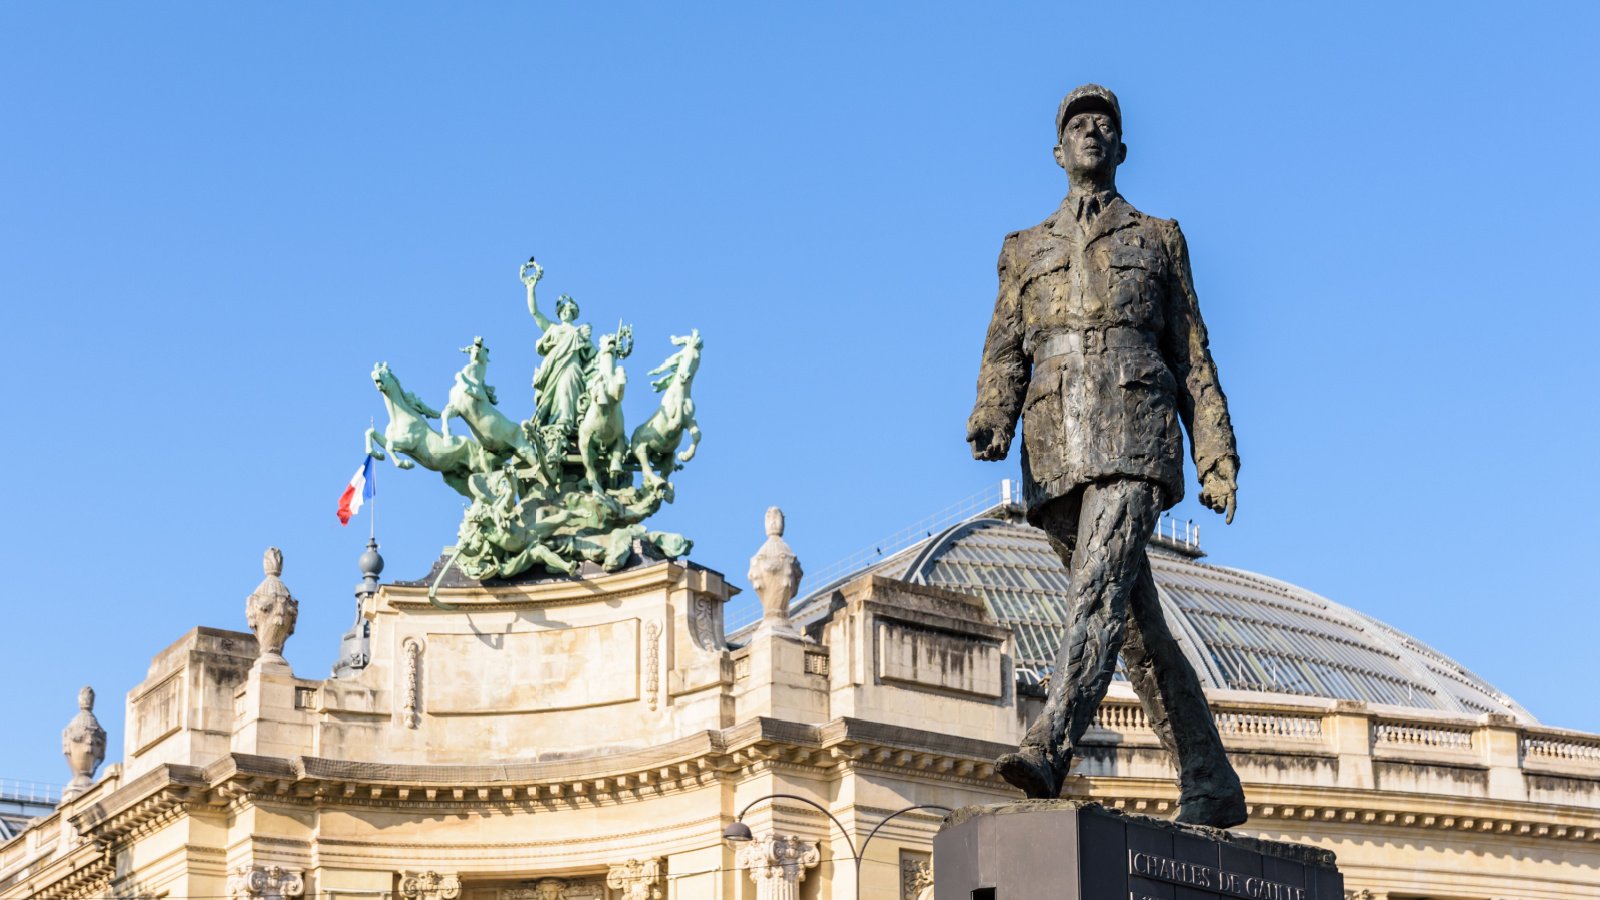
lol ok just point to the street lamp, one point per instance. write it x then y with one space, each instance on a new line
738 832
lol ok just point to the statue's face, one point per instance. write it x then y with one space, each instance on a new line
1091 146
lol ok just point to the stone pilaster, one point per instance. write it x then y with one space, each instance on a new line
265 883
777 864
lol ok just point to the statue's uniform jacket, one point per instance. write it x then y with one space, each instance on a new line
1097 342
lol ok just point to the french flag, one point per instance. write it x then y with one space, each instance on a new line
358 491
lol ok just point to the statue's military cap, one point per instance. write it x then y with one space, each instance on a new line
1088 97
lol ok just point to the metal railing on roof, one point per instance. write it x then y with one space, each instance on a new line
1185 534
1009 494
18 791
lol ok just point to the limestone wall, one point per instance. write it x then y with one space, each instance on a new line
593 739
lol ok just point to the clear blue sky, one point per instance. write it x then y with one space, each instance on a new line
214 221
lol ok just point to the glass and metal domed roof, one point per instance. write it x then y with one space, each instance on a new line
1240 630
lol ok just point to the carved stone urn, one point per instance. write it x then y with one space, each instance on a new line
775 574
271 612
83 742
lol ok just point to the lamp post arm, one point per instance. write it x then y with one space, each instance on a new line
874 832
819 808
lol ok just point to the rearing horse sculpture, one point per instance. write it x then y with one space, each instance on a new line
655 441
408 432
472 399
601 432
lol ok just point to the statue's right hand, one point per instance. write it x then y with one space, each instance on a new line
988 442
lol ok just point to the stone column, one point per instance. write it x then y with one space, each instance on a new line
265 883
429 886
777 864
639 879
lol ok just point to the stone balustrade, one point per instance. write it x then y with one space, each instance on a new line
1422 749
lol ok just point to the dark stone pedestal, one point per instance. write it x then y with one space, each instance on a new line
1073 850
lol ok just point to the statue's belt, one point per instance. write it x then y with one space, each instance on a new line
1091 340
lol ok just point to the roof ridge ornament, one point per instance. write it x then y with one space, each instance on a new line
271 611
83 742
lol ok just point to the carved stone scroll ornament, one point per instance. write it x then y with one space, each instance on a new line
265 883
83 742
777 864
429 886
639 879
411 711
705 624
271 612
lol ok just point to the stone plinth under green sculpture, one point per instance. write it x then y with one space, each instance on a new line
557 489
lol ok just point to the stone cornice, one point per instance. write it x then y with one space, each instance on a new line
84 871
142 802
747 750
1330 807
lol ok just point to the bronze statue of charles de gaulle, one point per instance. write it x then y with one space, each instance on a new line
1098 346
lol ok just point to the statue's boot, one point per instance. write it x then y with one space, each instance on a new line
1221 806
1034 771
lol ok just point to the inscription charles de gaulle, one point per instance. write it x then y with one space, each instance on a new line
1209 878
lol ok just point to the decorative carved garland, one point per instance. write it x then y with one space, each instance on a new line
652 664
413 678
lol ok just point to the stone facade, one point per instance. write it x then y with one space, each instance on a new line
590 740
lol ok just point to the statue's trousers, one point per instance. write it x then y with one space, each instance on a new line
1100 532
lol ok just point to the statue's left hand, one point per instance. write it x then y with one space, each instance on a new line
1219 489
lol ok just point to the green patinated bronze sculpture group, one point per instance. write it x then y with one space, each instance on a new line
557 489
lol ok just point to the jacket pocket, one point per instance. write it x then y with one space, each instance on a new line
1049 261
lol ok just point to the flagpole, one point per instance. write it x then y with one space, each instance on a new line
372 517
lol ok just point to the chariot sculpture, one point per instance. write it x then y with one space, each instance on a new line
557 489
